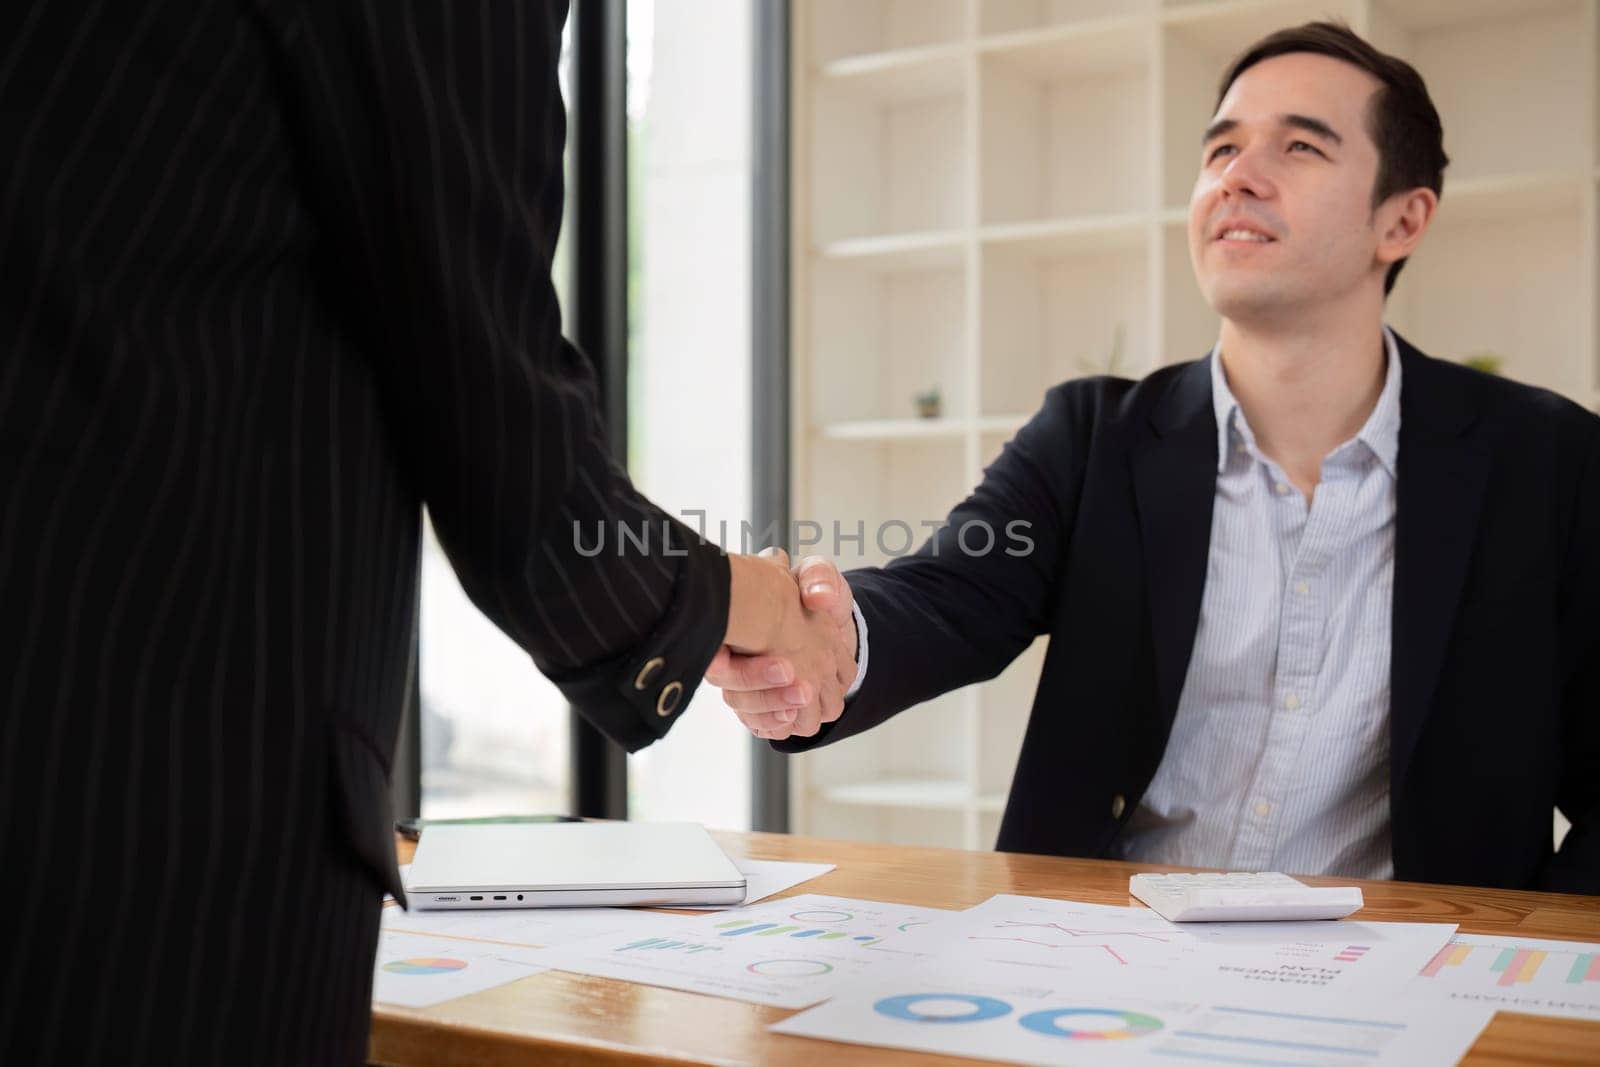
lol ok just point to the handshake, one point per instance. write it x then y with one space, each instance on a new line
790 651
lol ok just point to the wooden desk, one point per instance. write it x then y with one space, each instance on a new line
555 1018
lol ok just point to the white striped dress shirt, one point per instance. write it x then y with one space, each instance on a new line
1279 753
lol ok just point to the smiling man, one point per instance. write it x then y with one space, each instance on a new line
1317 602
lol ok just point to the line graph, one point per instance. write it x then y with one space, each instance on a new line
1072 931
1116 941
1113 953
1012 931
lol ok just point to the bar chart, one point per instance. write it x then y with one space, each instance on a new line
744 927
667 944
790 954
1554 977
1514 964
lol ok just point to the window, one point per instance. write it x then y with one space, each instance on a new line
689 142
495 732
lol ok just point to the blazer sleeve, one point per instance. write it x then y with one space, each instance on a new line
1576 867
972 598
432 144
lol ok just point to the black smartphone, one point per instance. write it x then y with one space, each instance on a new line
412 828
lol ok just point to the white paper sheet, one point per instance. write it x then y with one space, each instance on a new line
1515 974
788 953
415 971
521 933
1051 1026
1009 939
767 877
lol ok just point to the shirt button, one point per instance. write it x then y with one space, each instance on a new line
1263 808
1119 804
1302 588
1291 701
1241 449
1282 489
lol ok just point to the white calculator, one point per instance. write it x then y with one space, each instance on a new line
1241 897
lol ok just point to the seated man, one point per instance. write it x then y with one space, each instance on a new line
1318 602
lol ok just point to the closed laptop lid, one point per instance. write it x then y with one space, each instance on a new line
570 856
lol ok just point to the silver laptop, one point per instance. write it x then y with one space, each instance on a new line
571 865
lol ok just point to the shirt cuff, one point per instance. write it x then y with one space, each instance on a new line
861 650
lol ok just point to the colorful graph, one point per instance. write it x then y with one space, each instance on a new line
663 944
1091 1024
790 968
1079 1024
1515 964
822 916
1450 956
1585 968
425 965
942 1008
744 927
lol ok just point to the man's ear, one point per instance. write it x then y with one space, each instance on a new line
1402 220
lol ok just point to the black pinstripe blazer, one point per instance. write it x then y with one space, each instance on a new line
273 276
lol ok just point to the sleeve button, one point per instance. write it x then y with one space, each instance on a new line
642 679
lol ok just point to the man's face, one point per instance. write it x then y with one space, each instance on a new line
1281 220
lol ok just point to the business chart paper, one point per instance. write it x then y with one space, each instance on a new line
520 933
1516 974
789 953
1317 958
1032 939
415 971
1087 1026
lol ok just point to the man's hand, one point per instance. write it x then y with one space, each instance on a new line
780 693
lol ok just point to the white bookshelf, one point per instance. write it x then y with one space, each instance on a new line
990 195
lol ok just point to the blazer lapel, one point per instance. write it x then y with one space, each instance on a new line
1175 477
1439 493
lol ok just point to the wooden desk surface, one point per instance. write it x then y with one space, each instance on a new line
556 1018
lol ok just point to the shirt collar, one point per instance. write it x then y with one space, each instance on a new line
1381 433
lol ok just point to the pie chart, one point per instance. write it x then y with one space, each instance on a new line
942 1008
424 965
1091 1024
790 968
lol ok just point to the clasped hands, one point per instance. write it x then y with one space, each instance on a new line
790 652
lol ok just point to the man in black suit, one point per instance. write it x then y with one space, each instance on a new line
1317 602
274 275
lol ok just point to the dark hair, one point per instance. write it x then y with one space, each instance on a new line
1401 118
